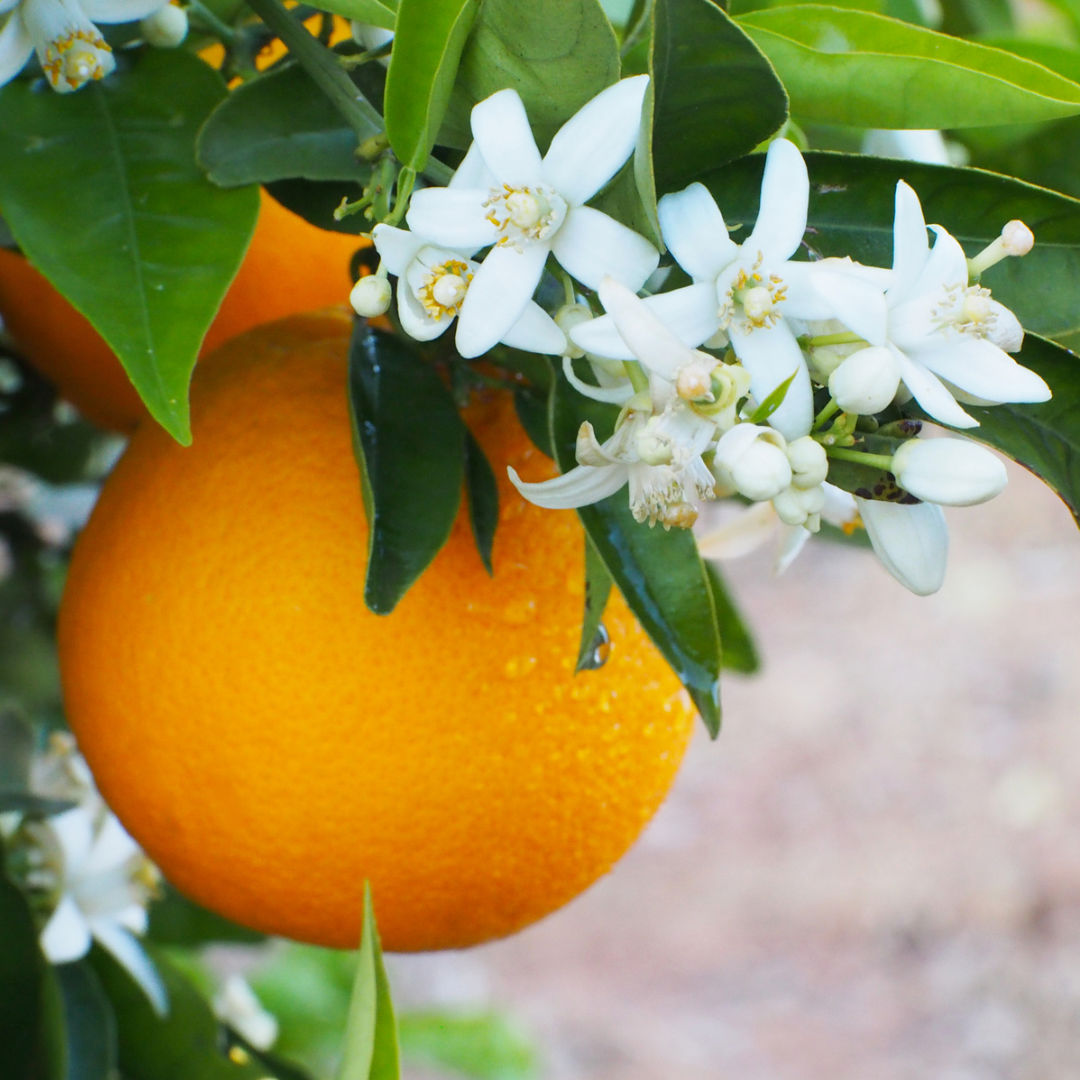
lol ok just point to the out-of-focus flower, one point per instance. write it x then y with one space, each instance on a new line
236 1005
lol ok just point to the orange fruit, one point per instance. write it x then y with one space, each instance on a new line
290 267
272 743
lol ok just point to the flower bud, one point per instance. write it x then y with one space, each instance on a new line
952 472
809 464
1018 239
370 296
566 318
762 471
866 382
165 28
796 506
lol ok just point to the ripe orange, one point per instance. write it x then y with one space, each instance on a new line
290 267
271 743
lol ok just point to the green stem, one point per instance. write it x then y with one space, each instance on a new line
845 338
860 457
322 65
636 373
825 413
211 22
405 181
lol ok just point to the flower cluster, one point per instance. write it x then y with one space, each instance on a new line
765 378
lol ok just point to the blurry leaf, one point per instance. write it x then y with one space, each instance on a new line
855 67
482 492
532 411
557 55
276 126
371 1038
16 751
410 445
717 96
176 920
374 12
658 571
851 213
486 1045
1044 438
740 651
428 40
965 18
89 1024
103 194
1065 61
594 638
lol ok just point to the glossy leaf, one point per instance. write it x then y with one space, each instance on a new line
1044 438
532 411
176 920
851 213
277 126
428 41
598 582
855 67
717 96
482 493
316 200
557 55
381 13
102 192
410 445
659 572
740 650
88 1023
371 1041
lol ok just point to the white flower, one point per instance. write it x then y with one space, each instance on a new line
953 472
236 1005
926 145
866 382
912 541
527 206
749 290
69 46
946 334
433 284
751 459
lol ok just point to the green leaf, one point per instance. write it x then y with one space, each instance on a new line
484 1045
557 55
592 652
375 12
371 1039
89 1023
532 411
858 68
851 213
482 492
410 445
16 751
427 49
740 650
1044 438
772 402
659 572
717 96
102 192
1064 61
277 126
176 920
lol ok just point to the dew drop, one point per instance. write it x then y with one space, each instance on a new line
599 650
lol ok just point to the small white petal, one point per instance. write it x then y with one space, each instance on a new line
928 391
118 11
923 145
785 193
591 147
581 486
771 355
590 246
912 542
858 304
612 395
501 129
415 321
945 268
792 541
694 231
75 831
16 47
452 217
113 846
840 508
911 245
536 332
984 371
472 172
129 954
742 535
66 936
396 247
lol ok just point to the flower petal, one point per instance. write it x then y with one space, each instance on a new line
927 390
911 245
415 321
113 846
745 533
396 247
497 296
66 936
591 147
129 954
472 172
785 193
984 371
689 313
452 217
791 541
118 11
581 486
16 47
857 303
946 268
536 332
590 245
74 829
912 542
501 129
612 395
693 229
771 355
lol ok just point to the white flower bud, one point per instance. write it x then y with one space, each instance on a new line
237 1005
809 463
762 471
866 382
566 318
1005 332
796 506
1017 238
952 472
370 296
165 28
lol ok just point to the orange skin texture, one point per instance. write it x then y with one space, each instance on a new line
290 267
271 743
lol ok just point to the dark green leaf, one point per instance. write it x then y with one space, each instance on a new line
16 750
594 637
176 920
483 494
659 572
1044 438
717 96
371 1038
316 200
532 411
89 1023
376 12
740 651
428 41
277 126
855 67
410 445
851 213
482 1045
103 194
